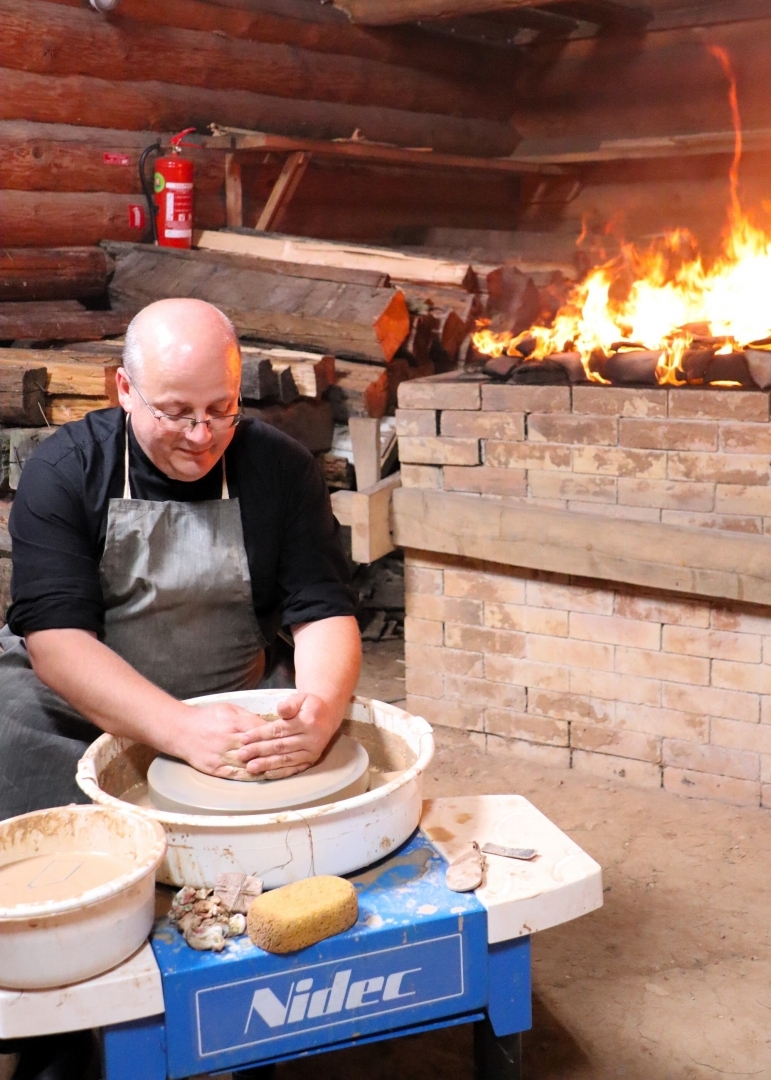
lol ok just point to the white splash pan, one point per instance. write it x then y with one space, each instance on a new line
279 848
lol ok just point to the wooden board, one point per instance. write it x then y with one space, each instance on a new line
697 562
129 50
368 514
73 273
297 249
62 99
346 320
57 320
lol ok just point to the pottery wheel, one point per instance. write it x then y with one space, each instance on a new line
341 773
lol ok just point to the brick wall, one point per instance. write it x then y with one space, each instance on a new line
650 688
653 688
680 456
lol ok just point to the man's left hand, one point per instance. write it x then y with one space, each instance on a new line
294 742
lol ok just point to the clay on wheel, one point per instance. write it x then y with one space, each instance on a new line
341 773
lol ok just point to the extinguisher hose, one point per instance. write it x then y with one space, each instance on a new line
147 187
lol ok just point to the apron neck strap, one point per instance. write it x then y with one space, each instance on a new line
127 483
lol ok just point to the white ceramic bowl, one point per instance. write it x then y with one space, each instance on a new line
335 838
57 942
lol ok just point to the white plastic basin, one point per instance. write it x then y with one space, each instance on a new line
335 838
55 942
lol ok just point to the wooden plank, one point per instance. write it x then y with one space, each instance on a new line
69 374
63 99
368 514
697 562
250 143
345 320
569 152
57 320
365 442
127 50
296 249
273 213
234 196
73 273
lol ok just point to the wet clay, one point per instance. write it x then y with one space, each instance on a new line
44 878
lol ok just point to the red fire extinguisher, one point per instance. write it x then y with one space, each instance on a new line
171 199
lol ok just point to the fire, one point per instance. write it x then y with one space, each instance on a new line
663 299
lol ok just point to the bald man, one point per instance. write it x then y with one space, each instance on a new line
157 547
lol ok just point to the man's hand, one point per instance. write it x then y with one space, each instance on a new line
291 744
212 737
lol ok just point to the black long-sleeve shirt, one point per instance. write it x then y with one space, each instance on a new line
59 520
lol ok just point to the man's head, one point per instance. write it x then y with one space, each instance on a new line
182 357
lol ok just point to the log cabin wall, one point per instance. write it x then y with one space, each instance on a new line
84 92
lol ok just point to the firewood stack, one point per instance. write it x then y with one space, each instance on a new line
328 330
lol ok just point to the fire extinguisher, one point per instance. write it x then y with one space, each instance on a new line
170 200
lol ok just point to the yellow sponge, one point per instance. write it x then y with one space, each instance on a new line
298 915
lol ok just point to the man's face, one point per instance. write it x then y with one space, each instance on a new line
194 381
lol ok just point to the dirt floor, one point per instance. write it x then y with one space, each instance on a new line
670 980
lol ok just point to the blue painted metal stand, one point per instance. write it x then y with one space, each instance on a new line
417 959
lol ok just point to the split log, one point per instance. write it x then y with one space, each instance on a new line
365 390
68 373
309 422
259 381
346 320
321 29
63 99
123 49
65 157
337 471
57 320
62 218
513 299
350 275
299 249
22 394
52 273
312 373
67 408
417 347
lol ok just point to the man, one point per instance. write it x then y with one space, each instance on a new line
153 544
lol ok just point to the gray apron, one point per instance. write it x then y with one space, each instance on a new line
178 608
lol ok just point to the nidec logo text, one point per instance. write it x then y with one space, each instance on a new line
305 1003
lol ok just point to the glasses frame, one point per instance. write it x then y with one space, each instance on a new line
190 421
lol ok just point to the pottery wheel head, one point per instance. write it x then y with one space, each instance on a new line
341 773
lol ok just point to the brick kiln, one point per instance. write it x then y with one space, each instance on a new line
588 576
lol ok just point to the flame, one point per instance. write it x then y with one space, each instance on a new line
664 298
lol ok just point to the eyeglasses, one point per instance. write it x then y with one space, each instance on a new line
171 423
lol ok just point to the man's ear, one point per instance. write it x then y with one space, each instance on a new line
124 389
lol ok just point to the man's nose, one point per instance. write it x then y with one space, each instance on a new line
200 434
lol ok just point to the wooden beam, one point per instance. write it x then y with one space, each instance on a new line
303 250
256 144
697 562
368 514
274 210
365 443
22 394
57 320
699 144
339 318
234 197
74 273
392 12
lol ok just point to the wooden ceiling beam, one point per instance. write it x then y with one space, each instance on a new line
392 12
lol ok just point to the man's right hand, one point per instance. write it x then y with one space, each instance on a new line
210 737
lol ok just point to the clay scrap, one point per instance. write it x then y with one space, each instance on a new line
467 872
207 917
